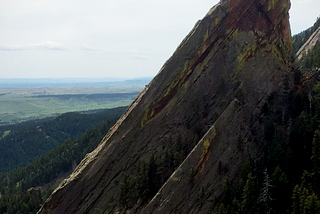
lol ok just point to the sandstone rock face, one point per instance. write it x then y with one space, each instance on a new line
310 43
209 94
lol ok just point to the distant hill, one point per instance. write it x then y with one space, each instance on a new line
22 143
72 82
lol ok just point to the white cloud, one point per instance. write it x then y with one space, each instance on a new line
49 45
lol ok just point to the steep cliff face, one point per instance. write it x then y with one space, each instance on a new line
208 97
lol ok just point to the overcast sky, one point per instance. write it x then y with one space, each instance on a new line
104 38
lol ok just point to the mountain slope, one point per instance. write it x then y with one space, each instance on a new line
206 102
308 56
301 38
24 189
309 45
29 140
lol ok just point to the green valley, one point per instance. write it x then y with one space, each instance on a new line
31 103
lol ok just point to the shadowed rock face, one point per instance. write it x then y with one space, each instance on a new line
208 95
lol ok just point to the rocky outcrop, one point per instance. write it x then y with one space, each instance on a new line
209 97
310 43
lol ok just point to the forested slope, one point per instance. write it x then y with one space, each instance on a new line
311 60
25 189
23 143
285 179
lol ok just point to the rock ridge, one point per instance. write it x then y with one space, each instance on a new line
209 97
310 43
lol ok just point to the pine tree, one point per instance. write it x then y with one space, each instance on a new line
125 196
316 157
281 191
226 191
152 176
311 205
221 209
265 196
248 204
296 200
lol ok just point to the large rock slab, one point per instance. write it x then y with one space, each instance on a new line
310 43
209 95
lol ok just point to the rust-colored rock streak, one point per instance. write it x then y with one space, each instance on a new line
209 95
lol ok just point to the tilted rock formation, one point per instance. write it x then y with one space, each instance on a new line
209 96
310 43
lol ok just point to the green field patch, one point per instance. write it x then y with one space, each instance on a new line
23 104
112 96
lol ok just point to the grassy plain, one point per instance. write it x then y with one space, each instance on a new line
23 104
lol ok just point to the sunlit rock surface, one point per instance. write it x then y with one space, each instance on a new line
309 45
